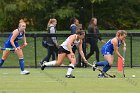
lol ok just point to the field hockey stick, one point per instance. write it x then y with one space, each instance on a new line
11 49
22 46
112 76
124 53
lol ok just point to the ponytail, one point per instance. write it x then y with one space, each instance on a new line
51 21
120 33
21 21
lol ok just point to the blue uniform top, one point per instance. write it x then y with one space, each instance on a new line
108 48
7 43
73 29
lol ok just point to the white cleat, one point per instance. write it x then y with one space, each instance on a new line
42 65
25 72
94 66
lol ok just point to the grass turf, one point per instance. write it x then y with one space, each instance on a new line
52 80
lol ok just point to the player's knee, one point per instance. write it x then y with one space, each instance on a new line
4 57
73 63
110 63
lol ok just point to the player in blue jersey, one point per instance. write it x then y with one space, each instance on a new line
107 51
12 42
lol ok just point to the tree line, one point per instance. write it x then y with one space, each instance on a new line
111 14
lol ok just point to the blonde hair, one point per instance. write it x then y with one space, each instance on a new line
51 21
92 21
21 21
121 32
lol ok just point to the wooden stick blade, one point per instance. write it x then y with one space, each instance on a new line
22 46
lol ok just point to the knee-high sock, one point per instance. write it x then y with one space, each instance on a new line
51 63
1 62
103 63
21 63
106 68
70 69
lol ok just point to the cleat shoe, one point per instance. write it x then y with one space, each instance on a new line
25 72
94 66
102 76
42 65
70 76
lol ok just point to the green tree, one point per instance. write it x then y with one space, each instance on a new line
111 14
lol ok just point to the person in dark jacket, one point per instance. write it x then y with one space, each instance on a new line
93 41
51 42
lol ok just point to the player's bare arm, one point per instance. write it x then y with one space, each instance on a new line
115 45
15 34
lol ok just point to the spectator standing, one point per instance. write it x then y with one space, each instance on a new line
51 42
93 41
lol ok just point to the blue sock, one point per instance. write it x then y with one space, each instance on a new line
106 68
1 62
105 64
101 63
21 63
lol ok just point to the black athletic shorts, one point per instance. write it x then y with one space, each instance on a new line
62 50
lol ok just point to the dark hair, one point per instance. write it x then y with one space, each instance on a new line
80 32
73 20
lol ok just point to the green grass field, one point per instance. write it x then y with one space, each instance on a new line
52 80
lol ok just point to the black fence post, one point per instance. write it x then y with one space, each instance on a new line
35 51
131 64
84 48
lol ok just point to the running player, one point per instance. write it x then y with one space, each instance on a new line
65 50
107 51
12 42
